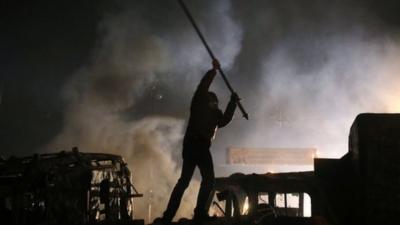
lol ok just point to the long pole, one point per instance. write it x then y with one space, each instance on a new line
244 113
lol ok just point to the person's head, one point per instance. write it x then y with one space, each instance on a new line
212 100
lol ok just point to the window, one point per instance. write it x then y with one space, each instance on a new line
217 208
293 204
245 209
263 198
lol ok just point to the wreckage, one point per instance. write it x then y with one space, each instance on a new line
272 198
361 188
67 188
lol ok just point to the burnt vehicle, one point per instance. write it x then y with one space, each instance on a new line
272 198
361 188
67 188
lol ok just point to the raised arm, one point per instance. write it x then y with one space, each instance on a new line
229 111
208 78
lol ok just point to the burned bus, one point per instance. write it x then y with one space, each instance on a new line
360 188
67 188
271 198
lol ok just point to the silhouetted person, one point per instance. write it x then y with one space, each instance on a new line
205 118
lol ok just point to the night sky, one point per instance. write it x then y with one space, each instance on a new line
42 43
118 76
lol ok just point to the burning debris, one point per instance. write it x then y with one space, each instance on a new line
67 188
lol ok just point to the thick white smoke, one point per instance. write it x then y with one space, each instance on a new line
307 69
304 68
145 43
318 108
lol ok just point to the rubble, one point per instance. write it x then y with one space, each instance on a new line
67 188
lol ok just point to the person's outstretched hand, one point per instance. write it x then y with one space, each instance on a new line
215 64
235 97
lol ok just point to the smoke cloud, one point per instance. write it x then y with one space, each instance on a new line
146 48
305 69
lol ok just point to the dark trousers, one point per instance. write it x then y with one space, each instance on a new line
203 160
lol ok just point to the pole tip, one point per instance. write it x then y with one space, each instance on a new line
246 116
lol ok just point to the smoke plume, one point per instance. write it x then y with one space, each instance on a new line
145 48
305 69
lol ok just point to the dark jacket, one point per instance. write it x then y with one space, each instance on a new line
204 120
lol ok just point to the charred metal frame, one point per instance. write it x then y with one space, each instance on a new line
66 188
